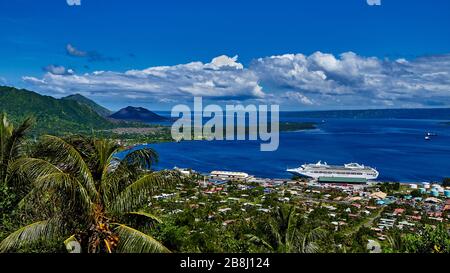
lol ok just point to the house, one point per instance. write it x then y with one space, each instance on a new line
378 195
224 210
447 205
185 172
414 217
433 200
386 223
329 207
228 222
406 223
435 214
398 211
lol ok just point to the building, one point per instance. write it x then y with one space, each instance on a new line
230 176
185 172
342 180
379 195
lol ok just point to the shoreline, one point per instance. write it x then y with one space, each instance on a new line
310 180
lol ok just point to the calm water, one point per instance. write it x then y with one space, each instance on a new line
395 147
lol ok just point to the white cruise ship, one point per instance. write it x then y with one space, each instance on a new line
323 170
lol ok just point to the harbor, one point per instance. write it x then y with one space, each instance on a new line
396 148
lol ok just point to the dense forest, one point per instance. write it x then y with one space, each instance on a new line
73 114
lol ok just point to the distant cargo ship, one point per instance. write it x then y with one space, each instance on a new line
323 170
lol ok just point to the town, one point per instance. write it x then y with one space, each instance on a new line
373 211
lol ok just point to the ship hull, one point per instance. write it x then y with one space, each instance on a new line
325 171
316 176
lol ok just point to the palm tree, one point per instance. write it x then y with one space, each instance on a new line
284 234
83 193
11 144
396 241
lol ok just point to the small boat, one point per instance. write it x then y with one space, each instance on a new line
427 138
430 134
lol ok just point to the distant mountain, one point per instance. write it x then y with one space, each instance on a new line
102 111
137 114
421 113
53 116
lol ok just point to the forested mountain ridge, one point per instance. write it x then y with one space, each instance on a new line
53 116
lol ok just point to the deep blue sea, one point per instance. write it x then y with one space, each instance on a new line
395 147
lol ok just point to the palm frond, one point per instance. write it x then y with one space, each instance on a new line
70 160
25 171
118 174
39 231
134 241
68 184
115 178
259 241
310 239
142 158
105 151
11 144
141 191
317 234
17 136
146 214
33 168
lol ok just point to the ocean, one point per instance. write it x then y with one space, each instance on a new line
395 147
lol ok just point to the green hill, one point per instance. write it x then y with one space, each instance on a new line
53 116
102 111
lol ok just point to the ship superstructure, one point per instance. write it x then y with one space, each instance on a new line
323 170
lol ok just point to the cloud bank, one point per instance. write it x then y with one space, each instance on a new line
319 79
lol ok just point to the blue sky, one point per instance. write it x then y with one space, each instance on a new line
321 54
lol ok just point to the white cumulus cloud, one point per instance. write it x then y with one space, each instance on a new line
222 78
294 79
350 78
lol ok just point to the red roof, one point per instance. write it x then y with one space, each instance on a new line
416 217
399 211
